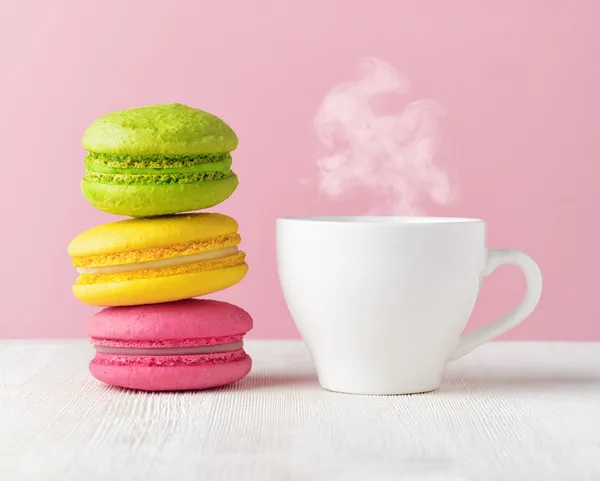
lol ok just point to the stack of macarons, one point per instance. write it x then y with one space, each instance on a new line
156 164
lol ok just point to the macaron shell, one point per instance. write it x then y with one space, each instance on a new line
154 200
171 378
173 129
182 320
135 234
159 289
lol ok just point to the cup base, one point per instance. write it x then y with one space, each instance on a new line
374 391
379 378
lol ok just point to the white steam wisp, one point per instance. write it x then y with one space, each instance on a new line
391 156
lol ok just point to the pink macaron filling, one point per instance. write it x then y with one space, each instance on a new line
171 351
164 343
169 361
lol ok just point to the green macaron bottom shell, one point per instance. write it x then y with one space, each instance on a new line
149 200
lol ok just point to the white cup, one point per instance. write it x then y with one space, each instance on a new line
381 302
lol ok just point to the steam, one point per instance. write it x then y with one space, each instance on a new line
390 155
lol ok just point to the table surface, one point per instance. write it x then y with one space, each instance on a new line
508 411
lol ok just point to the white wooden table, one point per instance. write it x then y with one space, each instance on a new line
508 411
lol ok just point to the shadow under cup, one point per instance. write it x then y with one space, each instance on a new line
380 301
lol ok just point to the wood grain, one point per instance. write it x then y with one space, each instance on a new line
508 411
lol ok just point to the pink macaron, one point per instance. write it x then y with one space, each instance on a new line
191 344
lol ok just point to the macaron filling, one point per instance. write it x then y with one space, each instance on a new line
171 351
160 263
226 262
159 252
166 361
165 343
156 161
153 172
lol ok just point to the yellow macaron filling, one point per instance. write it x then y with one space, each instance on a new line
166 262
156 253
193 267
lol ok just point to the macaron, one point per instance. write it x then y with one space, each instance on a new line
154 260
157 160
191 344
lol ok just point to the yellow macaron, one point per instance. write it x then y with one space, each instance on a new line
154 260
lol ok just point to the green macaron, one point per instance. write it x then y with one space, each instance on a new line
158 160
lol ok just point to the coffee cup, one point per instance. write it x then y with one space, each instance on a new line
381 302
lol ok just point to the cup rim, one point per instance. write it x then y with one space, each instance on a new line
381 220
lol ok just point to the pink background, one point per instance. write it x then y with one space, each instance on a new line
518 79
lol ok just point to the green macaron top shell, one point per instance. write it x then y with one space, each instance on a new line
160 130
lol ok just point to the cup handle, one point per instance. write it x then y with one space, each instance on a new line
533 277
